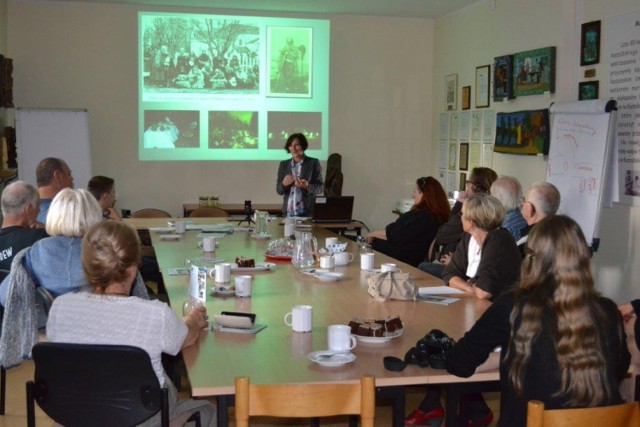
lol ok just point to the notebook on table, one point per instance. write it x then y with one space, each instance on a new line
333 209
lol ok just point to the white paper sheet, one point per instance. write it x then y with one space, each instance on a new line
439 290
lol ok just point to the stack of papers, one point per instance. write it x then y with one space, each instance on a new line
432 294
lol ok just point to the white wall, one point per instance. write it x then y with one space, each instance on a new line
475 35
84 56
3 50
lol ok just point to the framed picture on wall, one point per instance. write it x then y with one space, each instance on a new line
451 92
534 72
590 43
463 182
483 74
588 90
463 163
503 78
466 97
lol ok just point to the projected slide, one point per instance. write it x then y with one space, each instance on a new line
217 87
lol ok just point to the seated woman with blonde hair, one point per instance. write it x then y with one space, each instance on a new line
107 314
409 237
562 343
487 260
54 262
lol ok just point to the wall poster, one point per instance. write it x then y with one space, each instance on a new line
622 49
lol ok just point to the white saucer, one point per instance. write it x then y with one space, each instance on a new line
170 236
328 276
261 236
379 340
338 359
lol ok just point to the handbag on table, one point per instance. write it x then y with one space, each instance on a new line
392 285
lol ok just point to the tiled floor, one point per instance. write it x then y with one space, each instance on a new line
15 414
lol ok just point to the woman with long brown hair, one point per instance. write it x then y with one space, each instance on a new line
408 238
562 343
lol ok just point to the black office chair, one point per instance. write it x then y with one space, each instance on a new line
96 385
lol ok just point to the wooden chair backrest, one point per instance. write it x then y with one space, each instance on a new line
624 415
305 400
208 213
150 213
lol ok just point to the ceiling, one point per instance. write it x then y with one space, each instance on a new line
395 8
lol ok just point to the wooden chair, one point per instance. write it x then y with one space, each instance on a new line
150 213
209 213
305 400
625 415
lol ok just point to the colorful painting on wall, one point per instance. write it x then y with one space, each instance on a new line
503 78
534 72
523 132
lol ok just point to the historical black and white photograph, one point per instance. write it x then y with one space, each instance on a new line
200 55
290 61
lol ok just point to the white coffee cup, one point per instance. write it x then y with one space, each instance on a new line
290 221
342 258
340 340
223 272
367 261
289 229
388 267
243 286
326 261
300 318
208 244
330 241
180 226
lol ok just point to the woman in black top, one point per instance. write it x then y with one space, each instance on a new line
408 238
562 343
487 260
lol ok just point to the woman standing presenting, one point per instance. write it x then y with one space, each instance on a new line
408 238
299 179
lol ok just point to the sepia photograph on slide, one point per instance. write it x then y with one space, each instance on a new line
290 61
200 55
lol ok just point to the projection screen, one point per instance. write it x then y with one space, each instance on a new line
215 87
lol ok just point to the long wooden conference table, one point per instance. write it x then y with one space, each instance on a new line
279 355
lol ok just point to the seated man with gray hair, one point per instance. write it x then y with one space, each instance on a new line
20 206
541 200
508 190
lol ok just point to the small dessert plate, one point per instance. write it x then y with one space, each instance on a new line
379 340
328 358
260 266
221 290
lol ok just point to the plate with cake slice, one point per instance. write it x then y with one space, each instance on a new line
376 331
259 266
